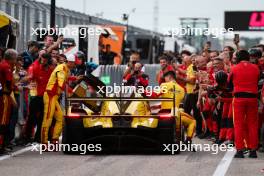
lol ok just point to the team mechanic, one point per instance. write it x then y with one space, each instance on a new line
6 78
39 72
56 84
245 103
170 84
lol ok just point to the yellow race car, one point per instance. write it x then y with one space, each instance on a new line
118 122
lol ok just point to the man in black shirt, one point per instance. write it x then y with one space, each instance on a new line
108 56
31 54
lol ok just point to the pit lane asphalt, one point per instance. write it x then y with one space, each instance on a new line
185 164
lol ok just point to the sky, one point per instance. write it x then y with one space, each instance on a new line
169 10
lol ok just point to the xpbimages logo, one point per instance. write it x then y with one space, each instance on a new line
213 148
81 148
196 31
74 31
122 89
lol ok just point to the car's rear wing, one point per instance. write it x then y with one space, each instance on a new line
69 100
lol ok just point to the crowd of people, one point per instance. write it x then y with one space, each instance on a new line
220 92
31 87
223 92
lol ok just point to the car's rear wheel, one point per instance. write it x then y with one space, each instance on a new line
72 134
168 135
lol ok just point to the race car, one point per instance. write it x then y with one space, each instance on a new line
120 123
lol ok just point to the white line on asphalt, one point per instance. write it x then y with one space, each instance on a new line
225 163
16 153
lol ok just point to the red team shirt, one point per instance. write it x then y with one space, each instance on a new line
182 83
41 75
160 78
5 74
245 77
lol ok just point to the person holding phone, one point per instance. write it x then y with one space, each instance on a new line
236 41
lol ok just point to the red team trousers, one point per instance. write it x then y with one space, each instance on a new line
227 129
246 119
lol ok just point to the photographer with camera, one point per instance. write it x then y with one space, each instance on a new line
134 58
136 77
134 69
